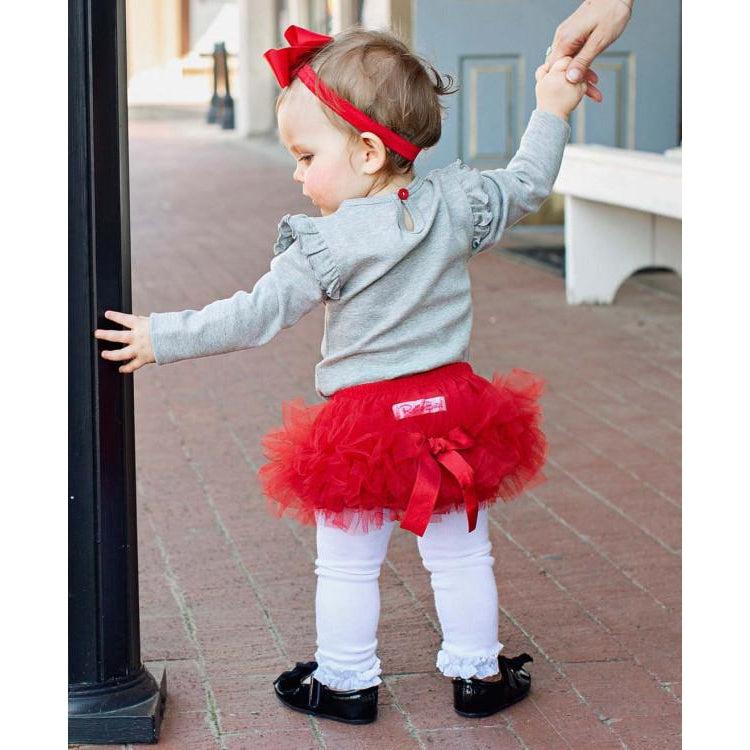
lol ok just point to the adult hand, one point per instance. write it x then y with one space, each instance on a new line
586 34
138 351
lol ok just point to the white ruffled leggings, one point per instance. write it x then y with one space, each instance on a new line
347 602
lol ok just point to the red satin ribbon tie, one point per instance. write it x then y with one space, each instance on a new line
434 453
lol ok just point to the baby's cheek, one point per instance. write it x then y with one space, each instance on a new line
325 187
328 182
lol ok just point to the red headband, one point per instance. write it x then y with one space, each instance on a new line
289 62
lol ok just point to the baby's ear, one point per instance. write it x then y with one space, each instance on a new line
373 153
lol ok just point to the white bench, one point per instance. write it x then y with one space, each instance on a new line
623 212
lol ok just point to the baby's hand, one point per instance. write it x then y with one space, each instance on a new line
554 92
138 339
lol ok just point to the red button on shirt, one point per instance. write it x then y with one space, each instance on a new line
403 194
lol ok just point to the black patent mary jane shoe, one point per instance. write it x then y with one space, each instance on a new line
476 698
349 706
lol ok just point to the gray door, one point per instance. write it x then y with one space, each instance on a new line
494 47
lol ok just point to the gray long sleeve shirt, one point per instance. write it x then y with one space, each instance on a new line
397 299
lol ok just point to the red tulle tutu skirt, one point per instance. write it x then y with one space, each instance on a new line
407 449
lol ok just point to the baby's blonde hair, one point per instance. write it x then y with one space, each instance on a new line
380 76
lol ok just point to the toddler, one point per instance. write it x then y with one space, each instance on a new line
406 433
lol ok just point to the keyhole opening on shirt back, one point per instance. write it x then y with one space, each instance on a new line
408 221
403 194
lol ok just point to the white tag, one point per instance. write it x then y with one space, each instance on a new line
420 406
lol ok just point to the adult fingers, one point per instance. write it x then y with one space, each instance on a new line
119 355
594 46
561 63
554 54
563 45
572 33
124 319
593 92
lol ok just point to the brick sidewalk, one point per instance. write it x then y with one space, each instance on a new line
588 565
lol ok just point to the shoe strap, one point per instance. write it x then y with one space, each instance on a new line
293 678
316 690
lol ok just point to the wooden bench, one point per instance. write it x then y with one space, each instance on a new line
623 212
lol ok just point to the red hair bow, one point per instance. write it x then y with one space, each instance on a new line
285 62
290 62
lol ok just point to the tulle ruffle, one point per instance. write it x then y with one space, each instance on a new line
452 665
351 461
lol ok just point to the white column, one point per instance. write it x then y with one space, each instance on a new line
401 12
298 13
376 14
343 15
256 87
389 14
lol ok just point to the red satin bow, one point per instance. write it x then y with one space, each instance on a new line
435 452
285 62
291 61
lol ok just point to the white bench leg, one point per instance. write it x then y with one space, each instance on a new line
604 244
668 243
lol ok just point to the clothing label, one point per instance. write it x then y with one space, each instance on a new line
420 406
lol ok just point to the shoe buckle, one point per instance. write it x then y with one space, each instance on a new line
314 697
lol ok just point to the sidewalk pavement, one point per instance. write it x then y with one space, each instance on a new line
588 565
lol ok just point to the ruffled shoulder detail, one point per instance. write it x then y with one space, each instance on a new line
314 247
470 181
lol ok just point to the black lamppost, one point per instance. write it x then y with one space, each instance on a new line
112 698
221 108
